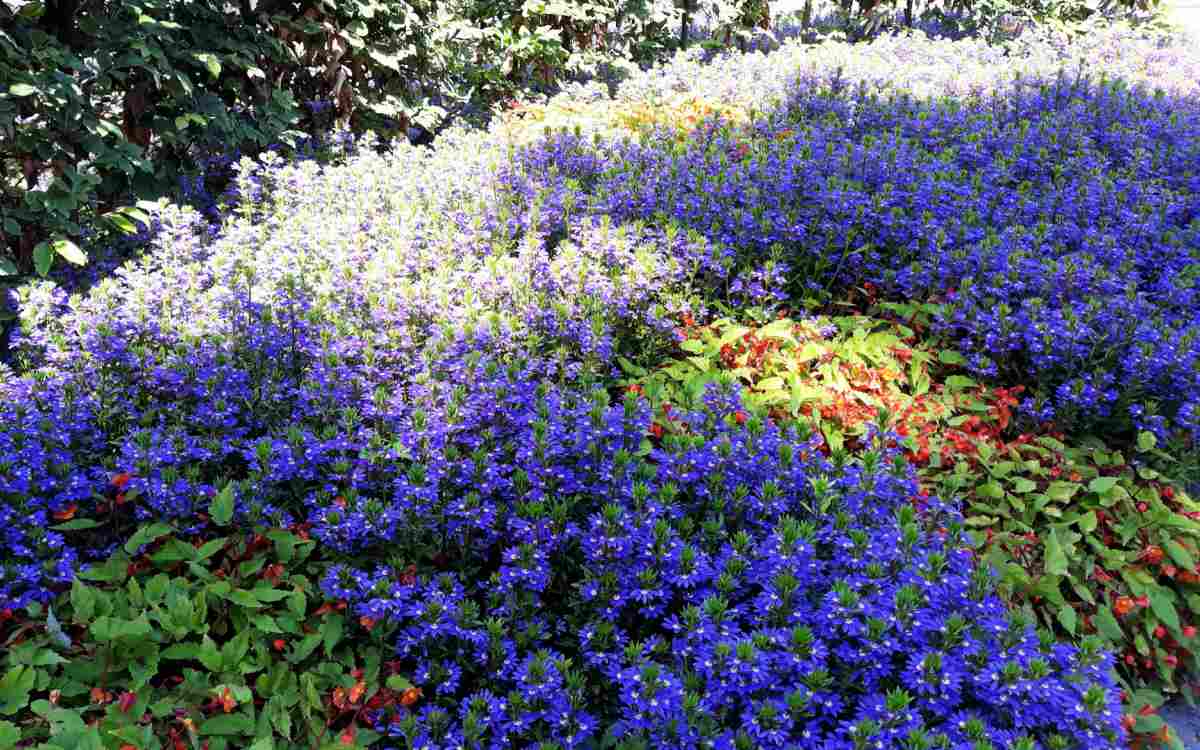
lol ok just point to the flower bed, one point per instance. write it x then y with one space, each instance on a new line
411 362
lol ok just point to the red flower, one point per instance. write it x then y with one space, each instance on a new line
66 514
279 644
126 701
1160 632
120 480
740 417
410 696
1123 606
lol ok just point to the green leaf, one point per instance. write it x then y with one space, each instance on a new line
331 632
76 524
107 628
211 62
235 650
70 251
221 508
1102 485
990 490
960 382
1107 624
1021 486
1062 491
145 535
951 357
1067 617
1146 441
83 601
1180 555
1164 609
9 734
14 689
21 89
1056 559
43 258
399 683
236 723
210 655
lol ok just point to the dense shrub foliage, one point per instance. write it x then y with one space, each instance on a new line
103 102
1087 541
414 358
1004 205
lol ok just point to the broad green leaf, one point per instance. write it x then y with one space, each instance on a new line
43 258
399 683
1102 485
70 251
1062 491
210 62
1067 617
1107 624
221 508
1056 558
1164 609
225 724
1180 555
1146 441
1021 486
21 89
15 686
210 655
145 535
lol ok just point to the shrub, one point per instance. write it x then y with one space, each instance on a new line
1088 543
180 639
999 206
414 352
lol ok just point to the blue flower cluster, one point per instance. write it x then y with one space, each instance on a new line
1059 221
411 357
726 587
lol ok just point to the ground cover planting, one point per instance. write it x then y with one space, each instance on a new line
860 414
